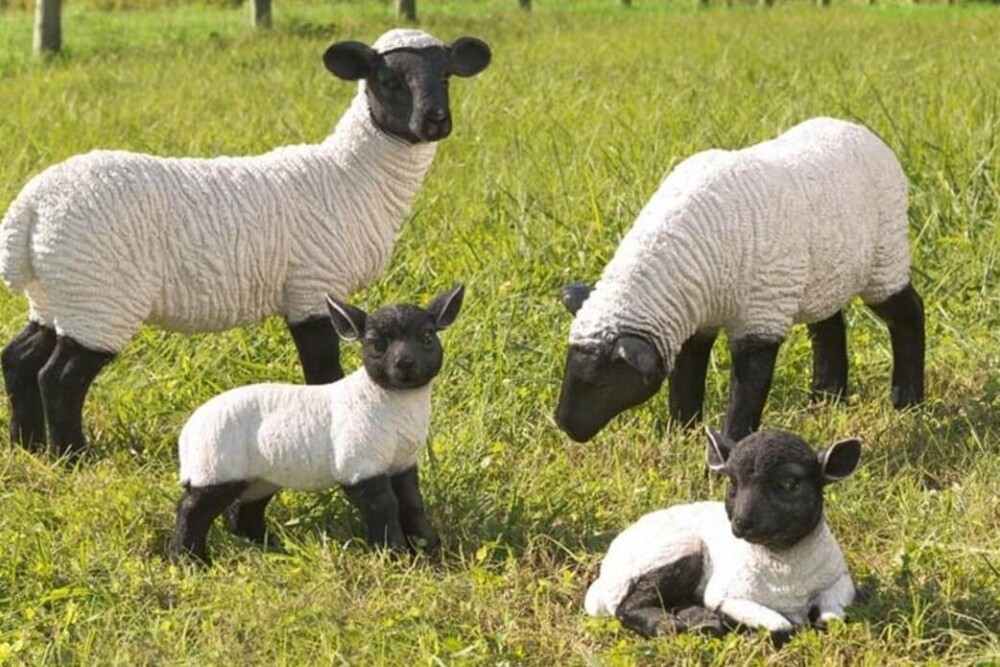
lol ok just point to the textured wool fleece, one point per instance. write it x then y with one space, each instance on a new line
789 582
304 437
754 240
107 240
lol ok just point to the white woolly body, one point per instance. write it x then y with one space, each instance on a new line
789 582
107 240
304 437
754 240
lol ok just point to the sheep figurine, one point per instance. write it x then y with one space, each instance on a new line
764 559
363 432
106 241
750 241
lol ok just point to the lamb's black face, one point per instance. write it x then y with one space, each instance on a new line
601 382
401 347
776 480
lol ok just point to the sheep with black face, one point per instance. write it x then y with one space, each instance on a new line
363 432
765 558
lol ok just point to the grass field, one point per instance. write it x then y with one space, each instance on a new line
556 147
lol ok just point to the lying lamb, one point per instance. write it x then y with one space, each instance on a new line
764 559
362 432
750 241
106 241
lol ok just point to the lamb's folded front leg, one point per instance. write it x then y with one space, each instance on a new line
830 603
412 515
753 615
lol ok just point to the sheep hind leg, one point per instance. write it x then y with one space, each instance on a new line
903 313
21 360
375 500
319 349
687 380
196 511
749 383
246 519
829 348
64 381
412 514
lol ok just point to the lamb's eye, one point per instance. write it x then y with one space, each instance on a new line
379 345
392 82
788 484
428 338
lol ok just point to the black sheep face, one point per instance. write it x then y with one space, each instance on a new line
776 482
400 345
407 88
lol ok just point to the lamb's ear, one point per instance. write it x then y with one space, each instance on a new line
348 321
719 449
468 56
840 460
350 61
640 355
573 296
445 307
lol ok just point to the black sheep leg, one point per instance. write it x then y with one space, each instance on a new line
829 347
379 509
21 360
412 515
687 380
903 312
319 349
196 511
246 519
64 381
749 384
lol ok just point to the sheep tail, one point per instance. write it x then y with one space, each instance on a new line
15 246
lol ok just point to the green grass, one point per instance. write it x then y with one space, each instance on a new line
556 148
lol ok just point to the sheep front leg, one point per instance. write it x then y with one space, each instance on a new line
319 349
753 615
749 383
412 515
64 382
903 313
830 603
829 345
379 509
687 380
21 360
196 511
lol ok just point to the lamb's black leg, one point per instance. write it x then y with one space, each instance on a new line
412 515
246 519
21 360
687 381
196 511
749 384
829 346
903 312
379 509
319 349
64 381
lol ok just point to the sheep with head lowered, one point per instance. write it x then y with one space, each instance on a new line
363 432
106 241
750 241
764 559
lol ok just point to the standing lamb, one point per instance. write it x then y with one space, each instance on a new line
750 241
764 559
105 241
363 432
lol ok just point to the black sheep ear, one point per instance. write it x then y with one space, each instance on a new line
573 296
350 61
348 321
840 460
445 307
719 449
468 56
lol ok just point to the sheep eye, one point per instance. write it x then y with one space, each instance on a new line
392 83
379 345
788 484
428 338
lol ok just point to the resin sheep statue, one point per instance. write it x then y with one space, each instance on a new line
362 432
763 559
750 241
106 241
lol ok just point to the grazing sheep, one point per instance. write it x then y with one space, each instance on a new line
363 432
750 241
108 240
764 559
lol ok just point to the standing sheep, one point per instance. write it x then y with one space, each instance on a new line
108 240
363 432
750 241
765 558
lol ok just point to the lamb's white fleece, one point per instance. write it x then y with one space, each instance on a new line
304 437
753 240
107 240
788 582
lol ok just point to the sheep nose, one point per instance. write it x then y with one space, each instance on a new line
740 526
404 363
438 115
